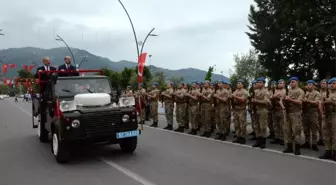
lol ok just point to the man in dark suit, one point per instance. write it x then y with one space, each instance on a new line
44 77
67 67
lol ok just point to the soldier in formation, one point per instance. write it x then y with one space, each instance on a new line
285 111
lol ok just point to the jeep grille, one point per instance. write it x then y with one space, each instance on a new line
99 122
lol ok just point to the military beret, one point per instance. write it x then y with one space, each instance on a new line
311 82
273 82
206 81
324 80
156 84
228 82
140 84
129 86
254 82
294 78
332 80
240 80
261 79
281 80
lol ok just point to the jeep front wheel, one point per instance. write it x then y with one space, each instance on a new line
59 149
128 145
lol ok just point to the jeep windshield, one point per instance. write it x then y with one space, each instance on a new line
73 86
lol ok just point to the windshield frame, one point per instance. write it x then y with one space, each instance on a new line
82 78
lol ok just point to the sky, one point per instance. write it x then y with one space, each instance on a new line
191 33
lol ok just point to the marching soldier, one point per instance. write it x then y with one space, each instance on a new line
222 98
206 102
261 101
199 120
140 96
310 117
240 98
186 98
169 105
251 110
226 85
277 115
180 111
193 108
128 92
293 122
154 95
323 91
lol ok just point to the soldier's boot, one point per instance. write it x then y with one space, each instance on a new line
271 136
281 142
193 132
320 142
179 129
206 134
258 142
252 133
253 138
297 149
242 141
333 155
305 145
168 127
218 136
289 148
275 141
186 126
327 155
223 138
315 148
262 143
155 124
237 140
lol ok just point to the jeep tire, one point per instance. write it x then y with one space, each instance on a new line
59 149
128 145
42 133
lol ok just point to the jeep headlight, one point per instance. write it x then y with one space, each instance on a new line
75 123
67 106
125 118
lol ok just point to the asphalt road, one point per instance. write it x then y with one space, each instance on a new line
162 158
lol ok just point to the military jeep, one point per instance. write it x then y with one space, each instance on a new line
84 110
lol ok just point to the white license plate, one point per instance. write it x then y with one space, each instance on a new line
127 134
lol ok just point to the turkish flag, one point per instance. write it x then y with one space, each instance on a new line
4 68
12 66
31 67
141 66
27 82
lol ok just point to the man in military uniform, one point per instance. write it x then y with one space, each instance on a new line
154 95
222 98
193 108
128 92
226 85
262 102
186 115
323 91
140 96
277 113
180 111
240 98
293 122
251 110
270 110
310 117
206 102
169 105
199 120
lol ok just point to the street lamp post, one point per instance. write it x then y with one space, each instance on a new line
80 63
61 39
1 33
149 34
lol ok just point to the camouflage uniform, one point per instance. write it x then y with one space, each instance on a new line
169 107
141 93
180 111
293 122
193 111
198 114
278 117
251 111
222 112
310 118
329 125
154 104
260 128
206 111
240 114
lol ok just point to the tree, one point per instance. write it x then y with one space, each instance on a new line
176 80
247 67
160 78
125 77
25 74
4 89
209 73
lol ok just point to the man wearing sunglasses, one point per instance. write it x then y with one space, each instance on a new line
262 102
293 124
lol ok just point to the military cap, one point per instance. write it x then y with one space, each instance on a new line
294 78
281 80
261 79
324 80
206 81
241 81
254 82
311 82
273 82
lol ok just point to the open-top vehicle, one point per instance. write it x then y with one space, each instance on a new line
83 110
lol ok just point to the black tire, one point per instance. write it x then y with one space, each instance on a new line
62 154
42 133
128 145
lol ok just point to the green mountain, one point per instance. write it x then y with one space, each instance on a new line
30 55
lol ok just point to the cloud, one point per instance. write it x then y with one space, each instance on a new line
192 33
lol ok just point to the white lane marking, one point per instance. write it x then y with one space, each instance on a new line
123 170
246 146
226 142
